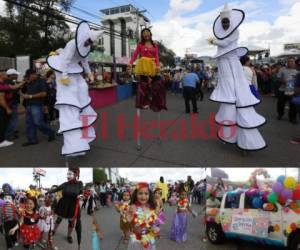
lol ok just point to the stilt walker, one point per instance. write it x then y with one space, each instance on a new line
76 116
237 117
151 91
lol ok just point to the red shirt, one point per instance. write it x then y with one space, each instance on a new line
144 51
8 94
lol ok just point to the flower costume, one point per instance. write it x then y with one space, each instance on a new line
143 235
237 116
123 208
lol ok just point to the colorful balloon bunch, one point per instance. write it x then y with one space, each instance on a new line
285 189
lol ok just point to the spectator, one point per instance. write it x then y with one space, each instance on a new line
11 132
34 95
190 81
287 78
202 79
6 98
220 189
51 96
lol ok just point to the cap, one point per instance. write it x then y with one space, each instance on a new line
12 72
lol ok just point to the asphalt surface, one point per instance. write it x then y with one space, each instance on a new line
60 237
117 149
108 220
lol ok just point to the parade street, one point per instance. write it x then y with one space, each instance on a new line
60 239
181 145
240 245
108 220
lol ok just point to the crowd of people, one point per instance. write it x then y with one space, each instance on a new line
32 217
142 208
36 95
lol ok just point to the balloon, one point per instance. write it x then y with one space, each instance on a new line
281 200
268 207
257 202
276 228
245 186
281 179
286 194
293 226
298 203
207 194
293 205
290 182
277 187
252 192
272 197
296 194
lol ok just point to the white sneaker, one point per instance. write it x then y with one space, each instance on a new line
6 143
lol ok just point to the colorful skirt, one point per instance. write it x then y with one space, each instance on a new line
146 66
137 245
161 218
30 234
179 227
152 93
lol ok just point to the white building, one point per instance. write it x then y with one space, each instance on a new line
121 22
112 174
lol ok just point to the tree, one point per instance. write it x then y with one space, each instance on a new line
99 175
33 27
166 56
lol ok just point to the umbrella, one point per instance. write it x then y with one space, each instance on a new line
78 229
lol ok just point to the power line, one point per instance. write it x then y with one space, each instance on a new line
70 20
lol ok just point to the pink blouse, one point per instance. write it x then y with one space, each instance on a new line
145 51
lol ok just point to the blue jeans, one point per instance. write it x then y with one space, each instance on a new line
12 123
35 120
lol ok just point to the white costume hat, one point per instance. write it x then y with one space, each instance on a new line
95 35
83 32
236 18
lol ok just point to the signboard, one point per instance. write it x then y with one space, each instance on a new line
290 46
242 224
22 63
39 171
249 225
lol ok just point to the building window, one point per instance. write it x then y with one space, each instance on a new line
112 38
123 37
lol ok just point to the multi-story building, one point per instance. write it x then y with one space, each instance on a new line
123 24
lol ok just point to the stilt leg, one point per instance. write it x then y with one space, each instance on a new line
139 144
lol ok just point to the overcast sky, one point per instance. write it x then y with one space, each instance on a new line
185 25
22 177
243 174
153 174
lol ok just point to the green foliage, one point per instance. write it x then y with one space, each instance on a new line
35 31
166 56
99 175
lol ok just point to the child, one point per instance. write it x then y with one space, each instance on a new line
46 222
96 235
159 207
142 217
8 220
28 224
173 199
179 224
123 208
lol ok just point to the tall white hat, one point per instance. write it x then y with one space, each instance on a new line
236 17
226 12
96 35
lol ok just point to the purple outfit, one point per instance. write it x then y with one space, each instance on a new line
179 227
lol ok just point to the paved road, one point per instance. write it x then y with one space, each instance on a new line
108 219
60 236
112 151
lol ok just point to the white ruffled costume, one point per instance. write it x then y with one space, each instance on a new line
76 116
237 116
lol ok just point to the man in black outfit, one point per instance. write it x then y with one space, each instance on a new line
190 81
34 93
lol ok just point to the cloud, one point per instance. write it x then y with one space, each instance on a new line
22 177
179 7
153 174
190 31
